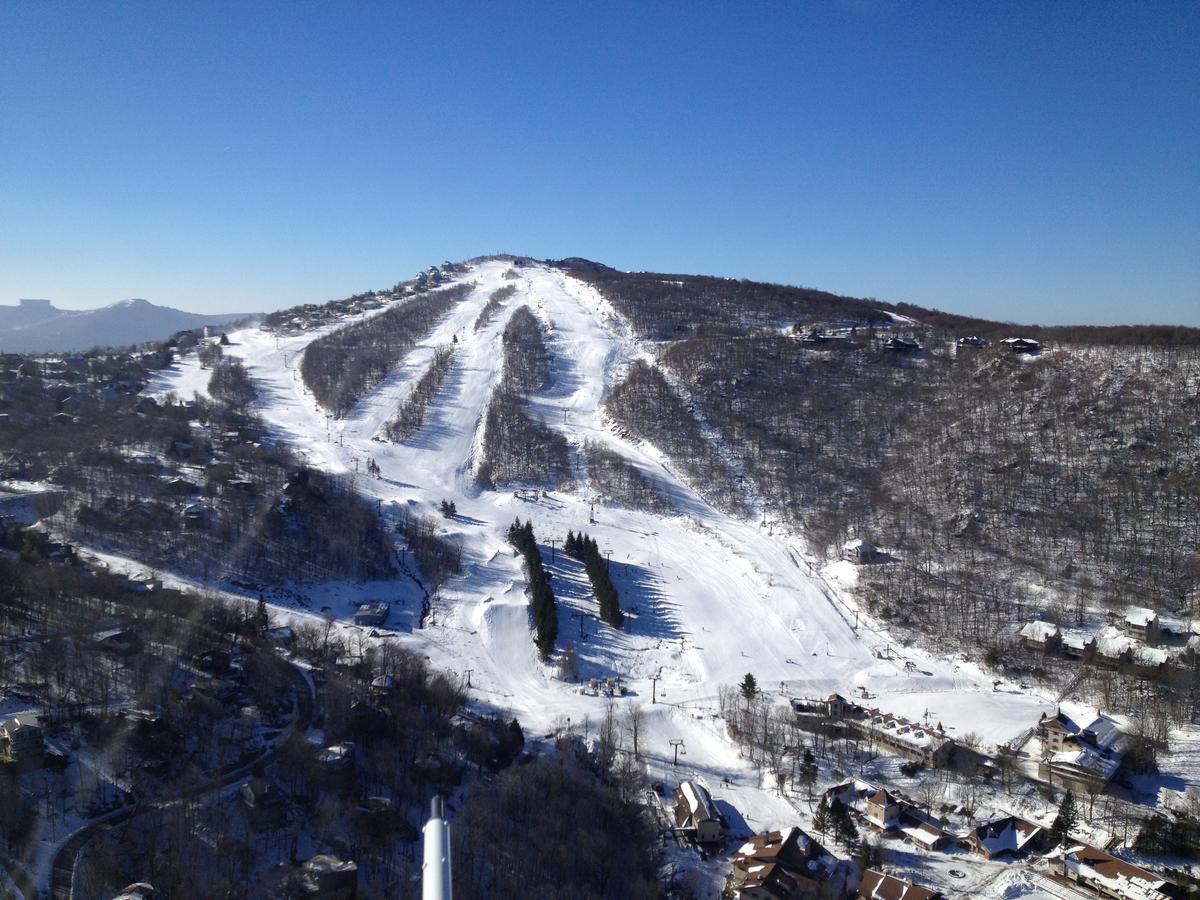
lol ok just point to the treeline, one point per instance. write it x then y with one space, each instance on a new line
584 548
526 361
410 415
618 481
197 488
543 608
231 384
342 366
581 835
671 307
495 301
518 448
438 557
646 405
667 307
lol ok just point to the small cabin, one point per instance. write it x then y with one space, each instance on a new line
971 342
1041 636
900 345
1021 345
371 615
859 551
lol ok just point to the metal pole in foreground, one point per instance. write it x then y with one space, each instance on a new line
435 870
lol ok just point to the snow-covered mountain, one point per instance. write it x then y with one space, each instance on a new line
36 326
711 596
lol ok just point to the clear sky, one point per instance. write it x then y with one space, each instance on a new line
1036 162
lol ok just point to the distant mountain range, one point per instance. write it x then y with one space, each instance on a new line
37 326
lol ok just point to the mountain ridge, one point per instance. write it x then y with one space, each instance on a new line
36 325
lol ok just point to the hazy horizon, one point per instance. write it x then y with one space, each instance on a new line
250 310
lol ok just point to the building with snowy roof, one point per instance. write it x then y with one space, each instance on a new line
859 551
919 743
22 738
696 812
887 811
1043 636
372 614
781 865
1141 623
1009 836
875 885
1021 345
1082 757
1110 876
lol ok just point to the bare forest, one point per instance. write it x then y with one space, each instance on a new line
344 364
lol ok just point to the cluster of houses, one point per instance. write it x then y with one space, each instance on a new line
790 865
1006 837
317 315
890 812
1137 640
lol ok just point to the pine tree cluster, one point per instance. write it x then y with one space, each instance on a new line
584 548
541 596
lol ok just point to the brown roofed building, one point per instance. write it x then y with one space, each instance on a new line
782 866
1110 876
878 886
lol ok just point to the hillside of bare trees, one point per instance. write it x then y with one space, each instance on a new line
1004 486
344 364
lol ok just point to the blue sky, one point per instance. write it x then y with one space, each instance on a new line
1035 162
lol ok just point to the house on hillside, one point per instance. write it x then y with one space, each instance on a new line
1043 637
263 797
1110 876
859 551
1141 624
971 342
121 641
371 615
900 345
781 865
696 812
1111 648
1021 345
1083 758
1005 837
875 885
22 739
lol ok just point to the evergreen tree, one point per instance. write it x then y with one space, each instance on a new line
1066 820
821 818
749 687
843 825
808 770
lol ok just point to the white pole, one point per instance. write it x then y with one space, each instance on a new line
435 870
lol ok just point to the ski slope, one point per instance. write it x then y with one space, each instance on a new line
714 597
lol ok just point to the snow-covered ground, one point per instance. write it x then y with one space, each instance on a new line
715 597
